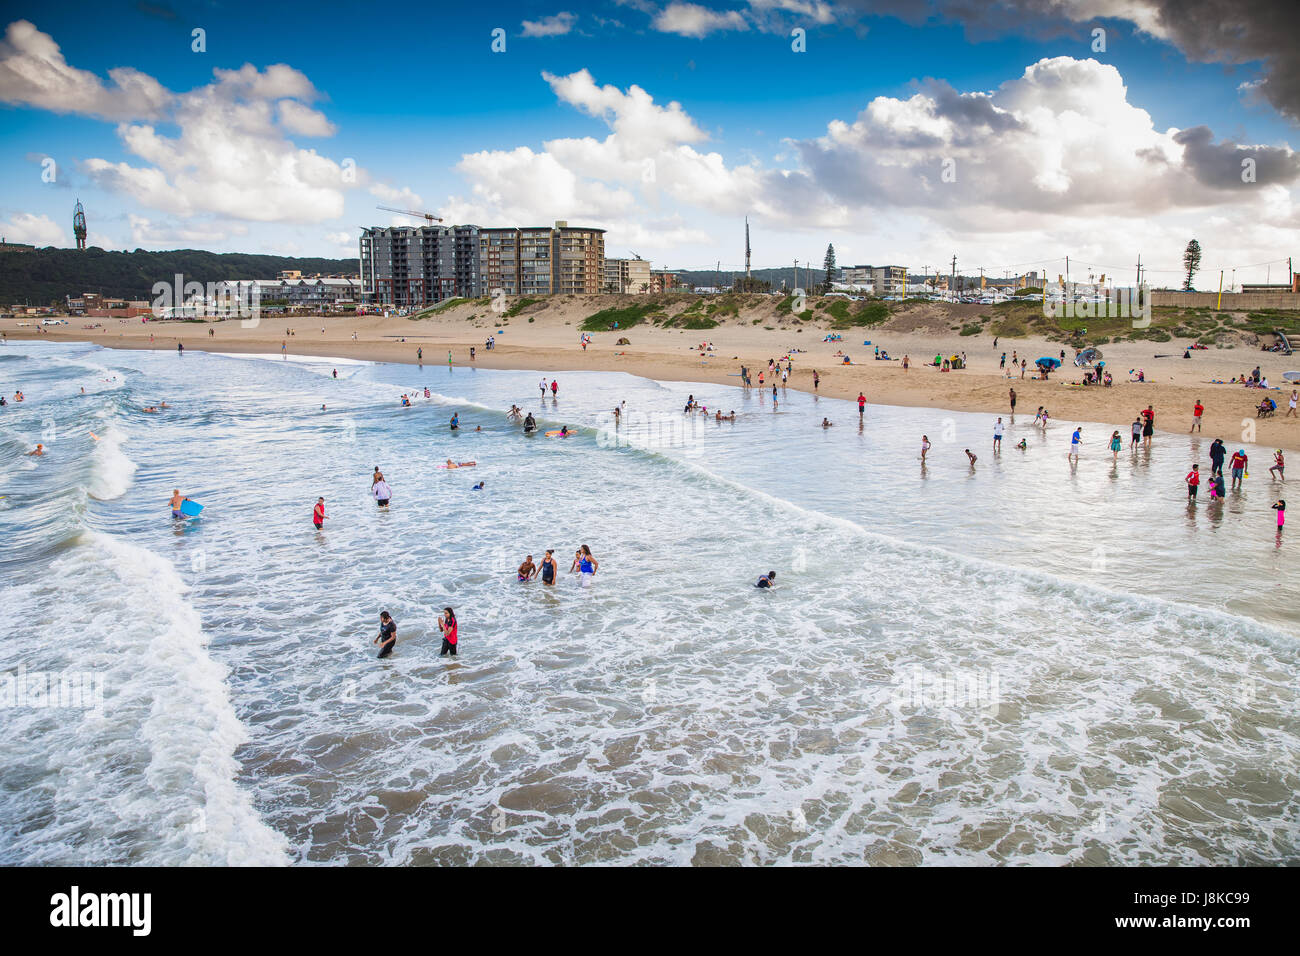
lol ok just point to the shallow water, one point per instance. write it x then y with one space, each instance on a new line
1032 662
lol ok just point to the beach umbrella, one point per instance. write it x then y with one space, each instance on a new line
1048 361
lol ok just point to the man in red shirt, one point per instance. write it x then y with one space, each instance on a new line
555 387
862 404
318 514
1193 482
1238 466
1197 410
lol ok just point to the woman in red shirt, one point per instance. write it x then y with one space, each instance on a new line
447 624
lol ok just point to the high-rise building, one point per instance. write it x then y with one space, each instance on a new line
415 266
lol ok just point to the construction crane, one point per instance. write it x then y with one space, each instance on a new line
412 212
635 255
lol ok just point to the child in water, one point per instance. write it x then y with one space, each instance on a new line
1280 507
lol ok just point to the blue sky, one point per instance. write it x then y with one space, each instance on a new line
408 97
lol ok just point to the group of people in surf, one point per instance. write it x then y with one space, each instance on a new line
584 564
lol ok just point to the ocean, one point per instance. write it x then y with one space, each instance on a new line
1027 662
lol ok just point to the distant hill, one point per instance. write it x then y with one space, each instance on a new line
45 276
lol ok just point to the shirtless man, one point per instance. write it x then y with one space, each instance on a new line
175 502
527 570
37 451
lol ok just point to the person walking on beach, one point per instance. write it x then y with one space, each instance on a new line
555 388
1013 402
1075 441
387 637
447 624
1193 480
1003 364
1238 466
862 404
1197 411
906 361
1116 443
997 434
1279 465
318 514
817 381
1024 364
1217 454
419 354
448 358
1291 404
925 447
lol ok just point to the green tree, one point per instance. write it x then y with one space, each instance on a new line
829 264
1191 262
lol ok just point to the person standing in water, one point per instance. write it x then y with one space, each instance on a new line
381 491
419 354
1279 465
1238 466
1217 453
1280 507
862 404
447 624
1075 441
925 447
1013 401
817 381
1193 480
585 564
549 567
387 637
1137 432
1116 443
175 502
555 388
318 514
997 434
527 571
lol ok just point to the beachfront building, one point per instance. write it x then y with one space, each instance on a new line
308 294
661 280
880 280
628 275
408 267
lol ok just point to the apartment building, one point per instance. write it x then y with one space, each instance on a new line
541 260
661 280
414 266
628 275
883 280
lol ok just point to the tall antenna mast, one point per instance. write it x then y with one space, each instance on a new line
747 275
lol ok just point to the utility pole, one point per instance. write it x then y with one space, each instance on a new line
1139 268
1219 304
953 281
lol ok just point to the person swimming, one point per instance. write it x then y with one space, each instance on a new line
460 464
827 423
479 486
530 424
767 581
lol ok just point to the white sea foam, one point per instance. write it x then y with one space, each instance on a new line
112 470
152 780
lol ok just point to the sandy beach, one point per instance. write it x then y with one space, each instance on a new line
546 337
